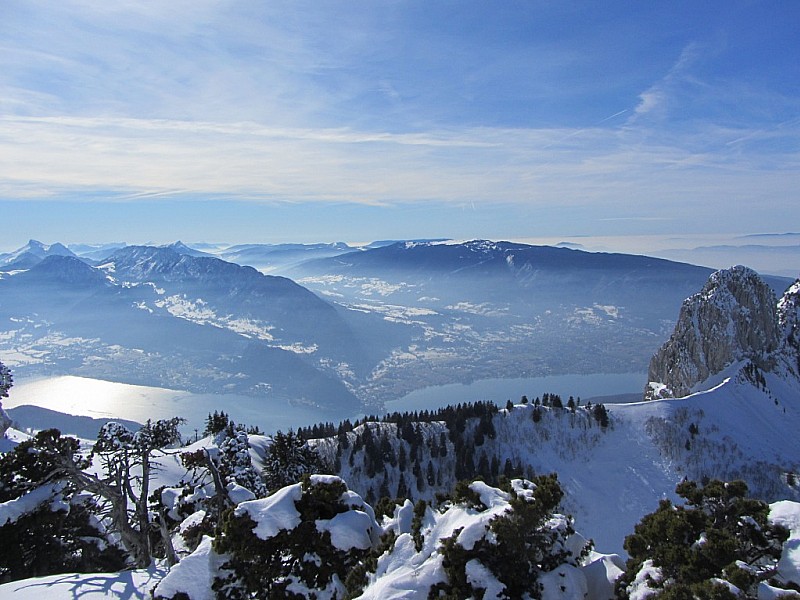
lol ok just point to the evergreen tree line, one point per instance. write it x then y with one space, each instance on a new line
427 463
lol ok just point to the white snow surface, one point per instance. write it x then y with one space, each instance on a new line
787 514
193 575
274 513
350 529
127 585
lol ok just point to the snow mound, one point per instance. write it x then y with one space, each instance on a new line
787 514
274 513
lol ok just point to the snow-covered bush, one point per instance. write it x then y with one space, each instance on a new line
515 547
300 542
47 526
719 544
484 542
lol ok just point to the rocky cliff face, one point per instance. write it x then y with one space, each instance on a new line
789 325
734 317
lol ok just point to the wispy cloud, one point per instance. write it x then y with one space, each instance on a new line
138 158
380 104
657 97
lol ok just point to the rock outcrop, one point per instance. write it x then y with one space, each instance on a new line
733 318
789 324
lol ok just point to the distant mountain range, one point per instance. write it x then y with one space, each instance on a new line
30 254
64 316
381 321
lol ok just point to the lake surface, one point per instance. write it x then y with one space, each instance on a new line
501 390
83 396
95 398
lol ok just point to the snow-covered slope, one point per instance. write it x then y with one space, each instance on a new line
613 476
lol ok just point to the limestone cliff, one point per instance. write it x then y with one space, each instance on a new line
734 317
789 325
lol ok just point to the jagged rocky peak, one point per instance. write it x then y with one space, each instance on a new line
789 323
733 318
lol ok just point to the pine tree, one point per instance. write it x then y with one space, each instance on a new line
402 459
430 476
600 415
216 423
236 465
6 380
123 455
402 488
288 459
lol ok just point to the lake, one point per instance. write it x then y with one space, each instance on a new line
95 398
501 390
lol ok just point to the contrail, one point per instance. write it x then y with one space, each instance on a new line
616 114
579 131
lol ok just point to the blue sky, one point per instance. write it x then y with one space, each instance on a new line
319 121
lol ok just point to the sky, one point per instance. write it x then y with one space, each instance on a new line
272 121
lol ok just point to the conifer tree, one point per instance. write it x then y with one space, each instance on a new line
523 543
288 459
302 556
236 465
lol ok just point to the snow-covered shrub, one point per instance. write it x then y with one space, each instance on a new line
510 552
483 542
300 542
46 525
719 544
